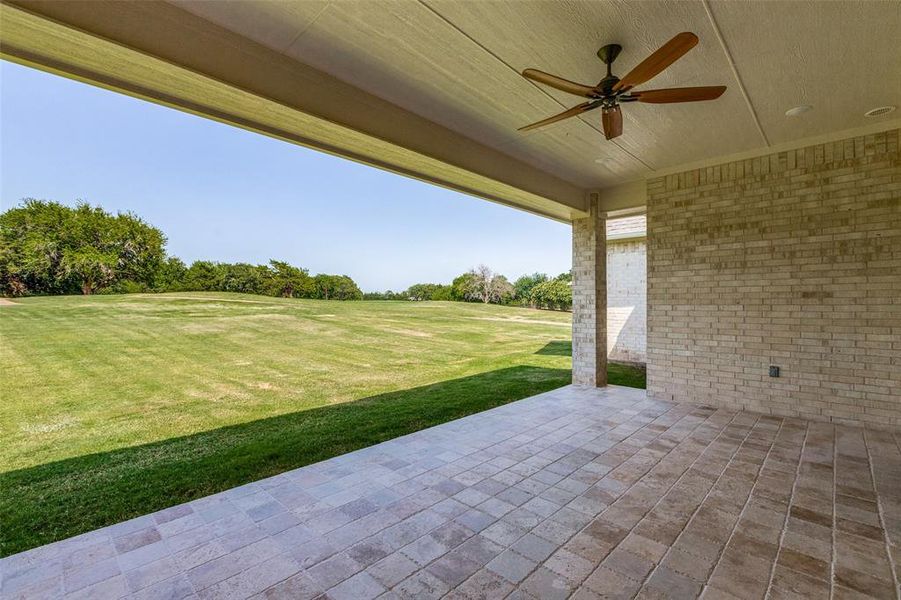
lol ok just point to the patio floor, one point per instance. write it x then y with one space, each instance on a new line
577 492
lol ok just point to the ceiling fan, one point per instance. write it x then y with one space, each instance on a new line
611 91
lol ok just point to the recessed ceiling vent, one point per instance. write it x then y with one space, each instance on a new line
878 112
798 110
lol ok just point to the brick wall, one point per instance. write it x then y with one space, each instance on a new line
626 301
791 259
589 291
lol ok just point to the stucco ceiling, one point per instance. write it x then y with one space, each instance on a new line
458 63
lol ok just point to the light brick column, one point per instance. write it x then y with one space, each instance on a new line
590 299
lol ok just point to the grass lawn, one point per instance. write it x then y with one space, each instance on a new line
115 406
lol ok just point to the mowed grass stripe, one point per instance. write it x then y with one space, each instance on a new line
126 349
115 406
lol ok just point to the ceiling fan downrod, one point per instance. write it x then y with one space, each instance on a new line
608 54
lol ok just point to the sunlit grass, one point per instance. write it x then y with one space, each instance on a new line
114 406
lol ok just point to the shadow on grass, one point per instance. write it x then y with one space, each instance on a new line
57 500
631 375
557 348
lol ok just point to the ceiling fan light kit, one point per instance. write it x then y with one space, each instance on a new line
612 91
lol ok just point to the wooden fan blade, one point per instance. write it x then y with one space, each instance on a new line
688 94
612 119
666 55
572 112
564 85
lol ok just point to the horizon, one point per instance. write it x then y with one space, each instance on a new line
169 255
224 194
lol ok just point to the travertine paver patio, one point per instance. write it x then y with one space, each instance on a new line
577 492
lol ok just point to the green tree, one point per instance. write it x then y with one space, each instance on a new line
422 291
243 278
203 276
345 289
171 275
30 248
91 267
442 292
386 295
522 287
554 294
461 287
323 285
46 247
336 287
289 281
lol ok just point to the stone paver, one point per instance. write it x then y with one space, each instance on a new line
576 493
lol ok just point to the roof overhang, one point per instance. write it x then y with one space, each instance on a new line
432 90
161 53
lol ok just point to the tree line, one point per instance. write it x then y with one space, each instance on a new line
278 278
49 248
537 290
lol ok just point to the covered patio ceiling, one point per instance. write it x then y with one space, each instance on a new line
459 64
432 89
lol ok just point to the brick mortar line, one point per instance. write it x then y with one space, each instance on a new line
834 511
184 576
791 500
893 567
707 495
678 479
744 507
896 437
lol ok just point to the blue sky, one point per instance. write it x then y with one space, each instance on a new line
221 193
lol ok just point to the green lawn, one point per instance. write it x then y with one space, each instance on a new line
115 406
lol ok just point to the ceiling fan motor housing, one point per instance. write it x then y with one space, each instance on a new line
606 86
